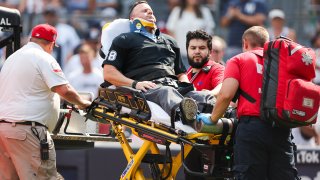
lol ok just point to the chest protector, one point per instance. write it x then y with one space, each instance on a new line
289 98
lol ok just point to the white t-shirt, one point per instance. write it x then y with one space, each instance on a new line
189 22
86 82
26 79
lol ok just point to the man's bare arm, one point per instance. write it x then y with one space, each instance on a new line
183 77
115 77
67 92
227 92
216 90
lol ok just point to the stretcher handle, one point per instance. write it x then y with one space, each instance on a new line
68 108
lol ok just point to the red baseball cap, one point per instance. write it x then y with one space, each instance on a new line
44 31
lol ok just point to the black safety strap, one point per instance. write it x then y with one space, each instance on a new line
244 94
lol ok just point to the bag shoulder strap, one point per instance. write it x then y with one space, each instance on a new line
243 93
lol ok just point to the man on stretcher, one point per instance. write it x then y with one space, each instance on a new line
147 60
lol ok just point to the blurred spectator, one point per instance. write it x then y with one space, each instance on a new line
67 40
74 64
86 78
108 8
213 6
307 135
173 3
161 12
80 6
189 16
53 3
218 48
30 13
239 15
126 4
93 34
10 3
278 28
315 42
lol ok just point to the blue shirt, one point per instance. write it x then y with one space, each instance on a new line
236 27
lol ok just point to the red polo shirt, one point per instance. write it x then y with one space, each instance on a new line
208 80
247 69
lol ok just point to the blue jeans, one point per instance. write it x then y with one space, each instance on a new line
262 151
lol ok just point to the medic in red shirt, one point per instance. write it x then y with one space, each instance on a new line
203 73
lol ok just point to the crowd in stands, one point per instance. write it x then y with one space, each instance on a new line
79 24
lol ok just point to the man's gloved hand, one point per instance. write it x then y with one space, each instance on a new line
205 118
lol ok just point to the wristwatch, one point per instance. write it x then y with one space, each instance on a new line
134 84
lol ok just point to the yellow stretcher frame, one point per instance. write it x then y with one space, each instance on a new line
133 171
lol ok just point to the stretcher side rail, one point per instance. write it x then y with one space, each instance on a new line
75 139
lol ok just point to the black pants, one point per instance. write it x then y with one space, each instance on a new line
262 151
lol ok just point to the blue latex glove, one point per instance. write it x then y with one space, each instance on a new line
205 118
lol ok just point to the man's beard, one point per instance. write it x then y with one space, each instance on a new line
200 64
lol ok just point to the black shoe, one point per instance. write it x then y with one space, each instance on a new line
188 109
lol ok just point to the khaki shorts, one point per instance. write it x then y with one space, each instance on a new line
20 153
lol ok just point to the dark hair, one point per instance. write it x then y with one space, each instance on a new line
197 9
134 5
199 34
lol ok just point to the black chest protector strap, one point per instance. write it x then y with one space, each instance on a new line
102 54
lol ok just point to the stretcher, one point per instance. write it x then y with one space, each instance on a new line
127 107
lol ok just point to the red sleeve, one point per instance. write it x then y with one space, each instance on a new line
217 74
232 69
